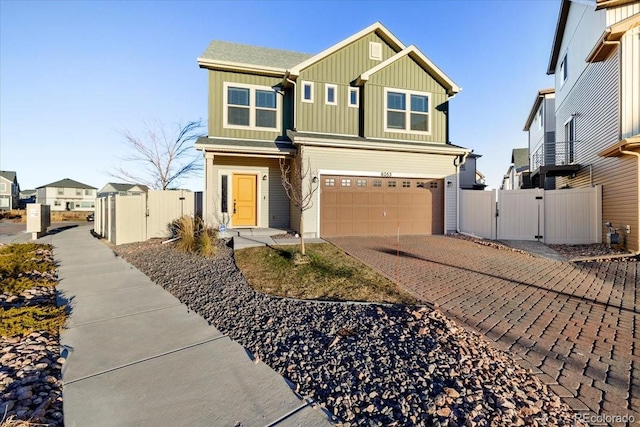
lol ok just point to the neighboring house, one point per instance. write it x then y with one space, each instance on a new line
595 59
368 115
517 175
9 191
541 130
470 177
67 195
112 189
27 196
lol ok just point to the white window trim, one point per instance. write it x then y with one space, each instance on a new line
3 187
540 117
375 51
563 69
407 128
349 92
302 85
252 108
328 86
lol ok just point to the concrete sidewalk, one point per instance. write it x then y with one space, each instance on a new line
136 356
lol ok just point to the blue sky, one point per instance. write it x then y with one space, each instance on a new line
72 73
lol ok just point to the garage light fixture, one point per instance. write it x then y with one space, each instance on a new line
314 179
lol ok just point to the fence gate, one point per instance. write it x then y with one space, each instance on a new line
521 214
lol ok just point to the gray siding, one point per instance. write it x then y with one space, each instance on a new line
595 99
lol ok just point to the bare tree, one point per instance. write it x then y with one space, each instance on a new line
161 158
300 188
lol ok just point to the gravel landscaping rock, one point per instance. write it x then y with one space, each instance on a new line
366 364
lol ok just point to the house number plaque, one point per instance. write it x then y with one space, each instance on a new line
385 174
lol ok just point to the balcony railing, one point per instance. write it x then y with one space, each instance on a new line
558 154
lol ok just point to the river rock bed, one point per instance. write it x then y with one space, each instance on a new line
365 364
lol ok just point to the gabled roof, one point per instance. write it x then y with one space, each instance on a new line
520 157
67 183
377 27
124 187
612 33
557 38
536 105
414 53
9 175
241 57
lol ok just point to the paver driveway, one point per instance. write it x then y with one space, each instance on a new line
576 325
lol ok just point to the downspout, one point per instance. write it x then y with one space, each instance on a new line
295 97
458 164
635 153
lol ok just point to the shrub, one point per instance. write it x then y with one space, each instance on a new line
193 236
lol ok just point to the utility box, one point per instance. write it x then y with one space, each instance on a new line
613 239
38 219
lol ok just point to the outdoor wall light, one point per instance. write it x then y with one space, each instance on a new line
265 177
449 183
314 179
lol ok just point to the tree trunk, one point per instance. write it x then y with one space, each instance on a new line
302 249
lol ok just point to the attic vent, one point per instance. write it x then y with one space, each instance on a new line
375 51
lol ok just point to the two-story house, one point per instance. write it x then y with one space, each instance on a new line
9 191
541 131
368 115
595 59
470 178
67 195
517 175
114 188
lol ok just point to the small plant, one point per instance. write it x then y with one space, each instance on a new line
194 236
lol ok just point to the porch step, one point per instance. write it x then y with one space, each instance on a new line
240 242
253 232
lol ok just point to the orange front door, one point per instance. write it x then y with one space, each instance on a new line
244 200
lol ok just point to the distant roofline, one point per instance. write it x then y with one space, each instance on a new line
536 104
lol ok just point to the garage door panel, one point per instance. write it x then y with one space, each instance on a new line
360 206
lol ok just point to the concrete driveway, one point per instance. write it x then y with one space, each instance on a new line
576 325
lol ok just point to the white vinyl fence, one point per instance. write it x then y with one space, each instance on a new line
136 218
570 216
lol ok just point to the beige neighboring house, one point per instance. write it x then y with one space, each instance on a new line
595 59
9 191
113 188
369 114
67 195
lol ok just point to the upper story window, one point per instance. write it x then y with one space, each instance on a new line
540 123
375 51
3 187
307 92
87 192
78 192
569 146
353 97
564 70
254 107
407 111
331 94
60 191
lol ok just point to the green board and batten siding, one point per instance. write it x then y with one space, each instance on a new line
216 105
404 74
341 68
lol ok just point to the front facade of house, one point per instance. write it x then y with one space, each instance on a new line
67 195
595 59
368 117
9 191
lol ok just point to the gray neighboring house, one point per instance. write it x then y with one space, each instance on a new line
113 188
470 177
27 196
541 128
9 191
67 195
517 175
